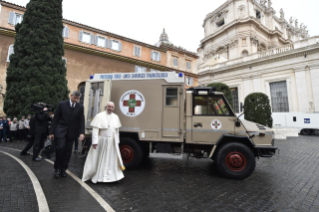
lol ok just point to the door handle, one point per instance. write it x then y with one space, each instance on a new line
198 125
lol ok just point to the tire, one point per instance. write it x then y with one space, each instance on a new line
305 132
235 161
316 132
131 152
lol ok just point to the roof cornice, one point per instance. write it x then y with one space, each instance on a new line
13 6
176 49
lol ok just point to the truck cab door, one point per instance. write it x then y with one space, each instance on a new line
212 118
96 96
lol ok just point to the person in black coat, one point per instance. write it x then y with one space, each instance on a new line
30 137
66 127
40 132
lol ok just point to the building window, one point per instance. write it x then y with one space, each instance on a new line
10 52
279 97
188 66
139 69
116 45
86 37
156 56
234 92
137 51
65 32
258 15
189 81
244 53
220 23
15 18
175 62
244 42
101 41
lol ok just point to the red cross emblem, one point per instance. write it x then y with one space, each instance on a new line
132 103
215 124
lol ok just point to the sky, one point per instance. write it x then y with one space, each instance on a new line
144 20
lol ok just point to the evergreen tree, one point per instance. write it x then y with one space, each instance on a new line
221 87
257 109
37 72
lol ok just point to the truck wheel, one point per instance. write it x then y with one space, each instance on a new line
235 161
131 153
316 132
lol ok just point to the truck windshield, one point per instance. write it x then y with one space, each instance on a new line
211 105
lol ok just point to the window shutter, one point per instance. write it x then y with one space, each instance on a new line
159 56
139 51
96 40
135 51
21 18
191 81
80 35
136 69
120 46
12 18
66 33
92 39
152 55
106 43
110 43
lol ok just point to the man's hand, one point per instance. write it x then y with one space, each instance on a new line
51 137
81 137
45 109
94 146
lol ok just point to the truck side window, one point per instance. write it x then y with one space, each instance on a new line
211 106
171 97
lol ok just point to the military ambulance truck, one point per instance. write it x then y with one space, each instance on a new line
160 119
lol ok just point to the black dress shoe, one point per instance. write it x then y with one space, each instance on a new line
75 151
24 153
37 159
57 173
63 173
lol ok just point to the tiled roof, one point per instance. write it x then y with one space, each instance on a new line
178 49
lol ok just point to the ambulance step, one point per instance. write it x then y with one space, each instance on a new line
166 155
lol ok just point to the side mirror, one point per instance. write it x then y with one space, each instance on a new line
237 124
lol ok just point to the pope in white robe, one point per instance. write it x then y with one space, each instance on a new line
104 162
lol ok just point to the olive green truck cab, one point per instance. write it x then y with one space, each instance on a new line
160 119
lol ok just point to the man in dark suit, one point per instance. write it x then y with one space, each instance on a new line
66 127
6 128
40 132
30 136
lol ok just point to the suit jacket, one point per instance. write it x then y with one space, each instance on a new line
41 122
67 122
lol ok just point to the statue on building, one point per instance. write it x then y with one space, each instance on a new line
263 3
282 14
291 20
269 3
301 26
296 23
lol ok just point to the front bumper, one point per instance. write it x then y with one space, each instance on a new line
266 151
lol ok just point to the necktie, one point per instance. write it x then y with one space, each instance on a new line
72 105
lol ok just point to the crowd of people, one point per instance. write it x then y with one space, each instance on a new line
14 130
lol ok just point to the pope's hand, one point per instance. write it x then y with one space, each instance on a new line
51 137
94 146
81 137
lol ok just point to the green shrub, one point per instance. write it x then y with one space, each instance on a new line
225 89
257 109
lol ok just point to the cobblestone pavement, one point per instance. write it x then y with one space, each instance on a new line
16 189
286 182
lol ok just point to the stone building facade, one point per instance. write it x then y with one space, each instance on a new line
249 48
89 51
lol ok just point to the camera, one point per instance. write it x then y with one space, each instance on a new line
38 106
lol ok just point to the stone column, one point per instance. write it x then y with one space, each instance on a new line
257 84
314 75
302 92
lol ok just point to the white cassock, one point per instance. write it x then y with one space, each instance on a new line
104 164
